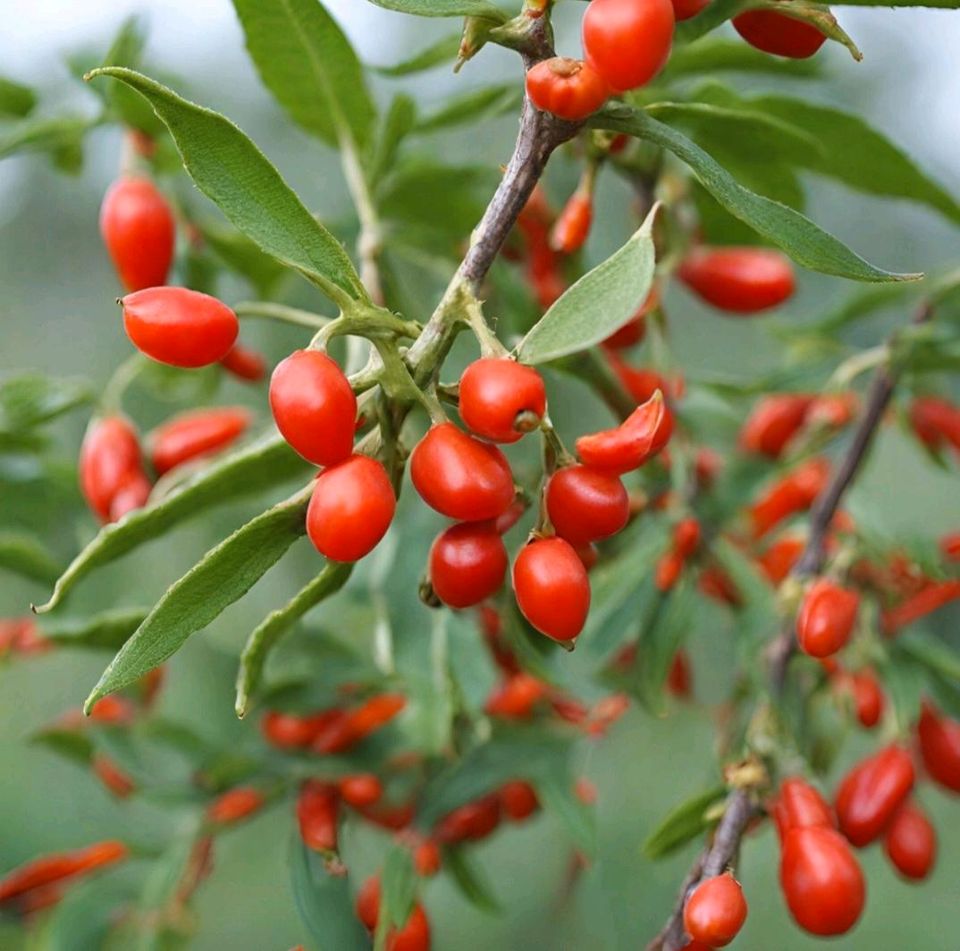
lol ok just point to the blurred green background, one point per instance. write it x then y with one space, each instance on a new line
57 315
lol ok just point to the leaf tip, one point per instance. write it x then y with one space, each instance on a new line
91 701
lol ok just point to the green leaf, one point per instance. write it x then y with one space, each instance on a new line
443 51
398 886
228 168
473 106
321 890
25 556
32 399
714 54
306 61
931 652
933 4
597 304
107 631
224 575
331 579
445 8
243 256
854 153
861 303
904 686
471 880
70 744
662 636
556 792
807 244
687 821
57 136
396 125
262 465
15 98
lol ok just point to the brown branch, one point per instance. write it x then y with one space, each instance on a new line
739 807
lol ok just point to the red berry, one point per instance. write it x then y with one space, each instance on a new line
109 462
799 806
668 571
821 880
586 504
738 280
461 477
426 858
826 619
468 563
289 731
685 9
632 443
934 420
131 496
494 392
686 537
867 697
351 509
234 805
573 226
793 493
196 433
113 778
567 88
773 423
376 712
314 407
180 327
471 822
777 561
516 697
552 589
679 677
939 741
361 789
911 842
518 800
870 794
628 41
317 808
635 329
413 936
778 33
139 231
244 363
716 911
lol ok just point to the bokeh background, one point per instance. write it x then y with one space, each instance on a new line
57 314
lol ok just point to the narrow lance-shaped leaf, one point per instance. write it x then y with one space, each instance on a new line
687 821
445 8
804 241
15 98
265 636
31 399
714 54
107 631
471 879
602 300
262 465
237 176
556 791
224 575
45 135
398 885
397 123
23 555
472 107
443 51
307 62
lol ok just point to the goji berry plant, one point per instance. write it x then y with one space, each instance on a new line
519 508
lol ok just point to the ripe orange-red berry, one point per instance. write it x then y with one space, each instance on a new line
468 563
194 434
551 586
567 88
738 280
496 394
715 911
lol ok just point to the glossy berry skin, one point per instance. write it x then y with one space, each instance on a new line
461 477
686 9
631 444
109 462
196 433
773 422
360 789
566 88
628 41
935 420
291 731
131 496
139 231
586 504
314 407
800 806
552 589
516 697
870 794
572 228
351 509
494 392
716 911
468 563
911 842
868 698
317 812
821 880
179 327
738 280
470 822
793 493
826 619
778 34
244 364
518 800
939 741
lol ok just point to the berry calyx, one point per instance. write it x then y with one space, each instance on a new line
567 88
461 477
738 280
139 231
715 911
552 589
495 393
628 41
586 505
351 509
314 407
467 564
826 619
179 327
